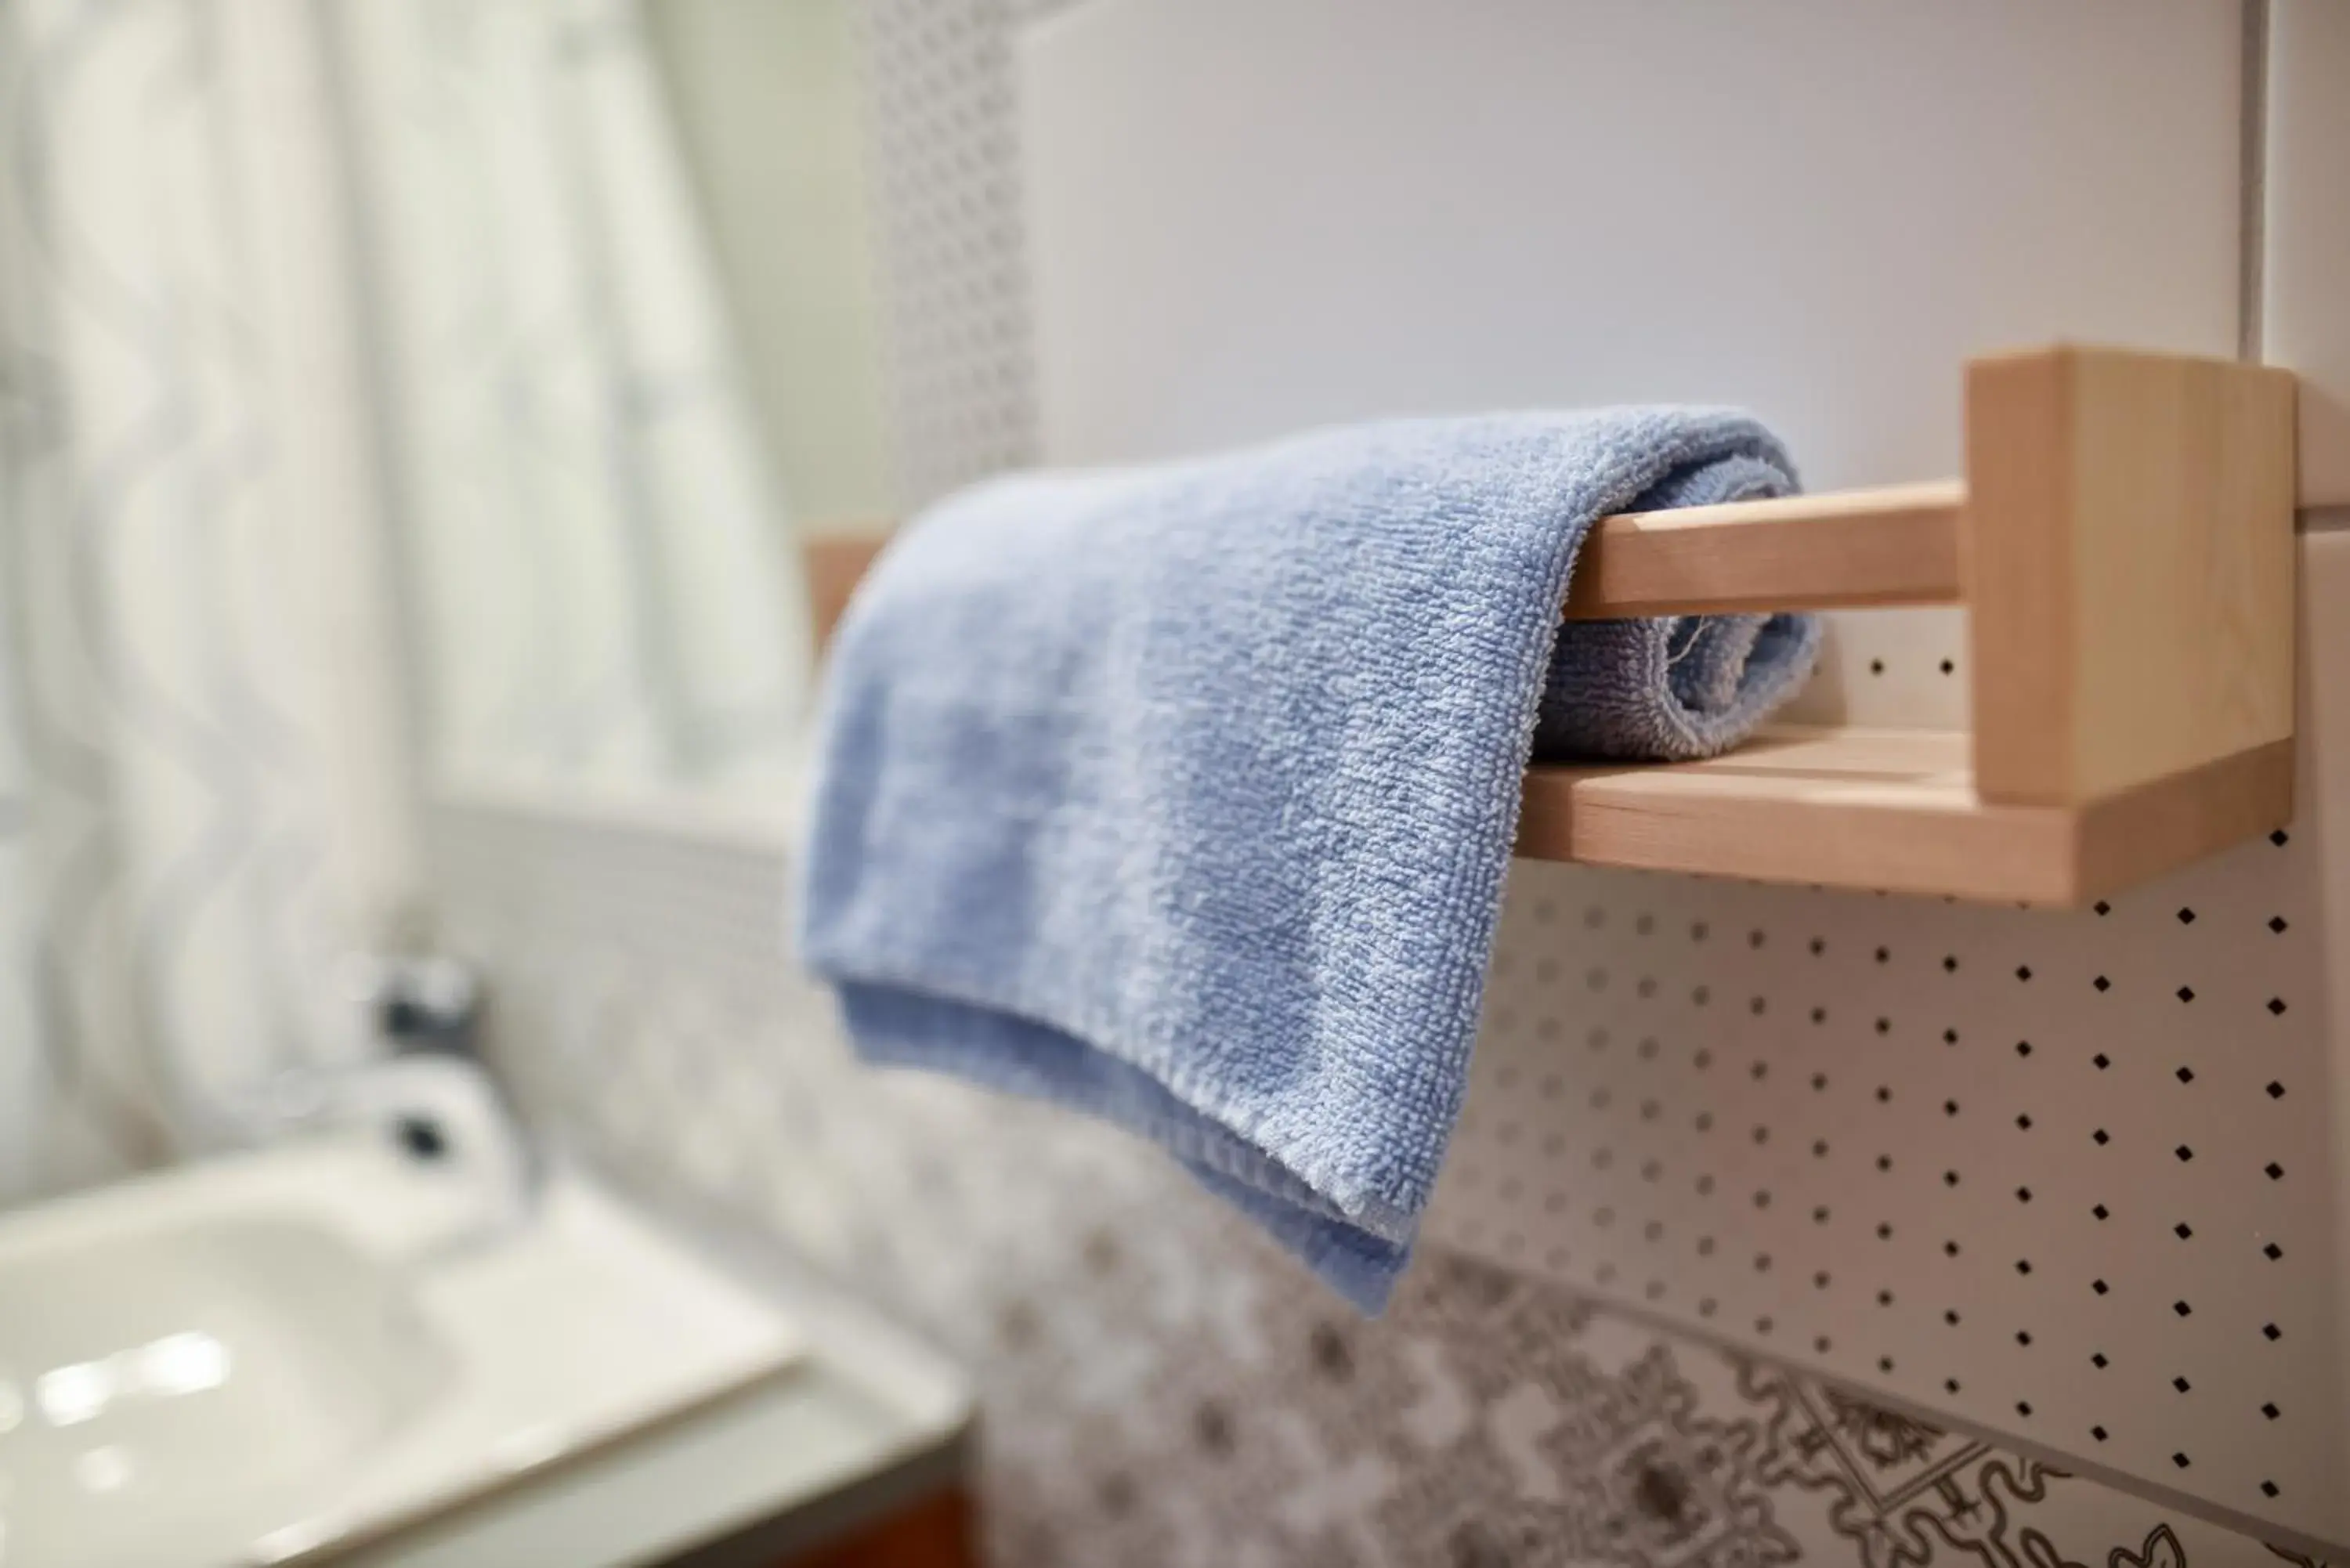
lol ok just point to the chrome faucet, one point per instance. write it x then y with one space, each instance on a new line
420 1080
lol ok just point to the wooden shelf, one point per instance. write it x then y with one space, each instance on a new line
2123 545
1892 811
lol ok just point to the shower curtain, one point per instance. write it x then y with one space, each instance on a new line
312 313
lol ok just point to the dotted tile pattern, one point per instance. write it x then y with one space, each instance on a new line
2063 1178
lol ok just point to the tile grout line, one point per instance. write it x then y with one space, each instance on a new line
2253 181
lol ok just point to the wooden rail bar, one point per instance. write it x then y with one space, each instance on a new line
1853 549
1845 550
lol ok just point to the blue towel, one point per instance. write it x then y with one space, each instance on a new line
1184 794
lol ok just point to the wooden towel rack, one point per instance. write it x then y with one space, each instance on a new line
2123 543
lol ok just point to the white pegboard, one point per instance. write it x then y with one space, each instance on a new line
2065 1178
953 275
1900 669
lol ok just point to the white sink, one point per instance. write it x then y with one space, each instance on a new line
259 1359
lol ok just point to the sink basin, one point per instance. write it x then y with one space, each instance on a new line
263 1358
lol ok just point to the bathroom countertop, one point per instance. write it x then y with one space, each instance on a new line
870 1422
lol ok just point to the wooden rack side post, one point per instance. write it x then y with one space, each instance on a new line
2127 558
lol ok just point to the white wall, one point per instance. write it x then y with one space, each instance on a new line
1251 214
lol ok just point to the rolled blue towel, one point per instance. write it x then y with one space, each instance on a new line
1184 794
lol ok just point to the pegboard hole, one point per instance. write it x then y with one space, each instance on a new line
2098 1433
2271 1411
2272 1252
2023 1408
2098 1361
2279 924
2099 1286
2268 1488
1950 1385
2183 1230
2183 1386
